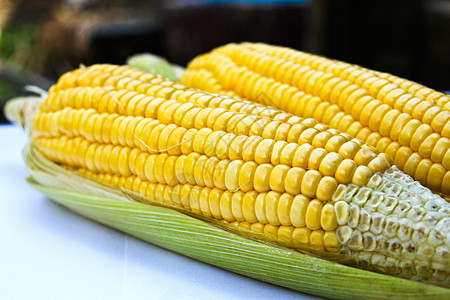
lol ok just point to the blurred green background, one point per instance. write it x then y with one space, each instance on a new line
42 39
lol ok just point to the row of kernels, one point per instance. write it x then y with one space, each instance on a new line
296 237
201 79
398 131
106 100
173 104
280 92
237 174
150 135
288 118
416 89
267 208
362 156
313 135
421 110
48 124
379 88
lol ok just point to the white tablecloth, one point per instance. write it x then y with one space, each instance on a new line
49 252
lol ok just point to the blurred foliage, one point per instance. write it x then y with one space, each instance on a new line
18 44
42 39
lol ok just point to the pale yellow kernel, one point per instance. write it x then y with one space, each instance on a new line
331 241
310 182
316 238
236 205
345 170
226 206
214 202
260 208
313 214
219 174
298 210
232 175
248 206
300 237
326 188
262 178
328 219
285 234
271 201
293 180
277 178
301 156
284 208
361 176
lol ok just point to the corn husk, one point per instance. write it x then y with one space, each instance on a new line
205 241
156 64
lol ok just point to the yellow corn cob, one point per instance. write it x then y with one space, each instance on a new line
292 181
407 121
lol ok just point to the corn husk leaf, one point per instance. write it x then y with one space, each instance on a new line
156 64
207 243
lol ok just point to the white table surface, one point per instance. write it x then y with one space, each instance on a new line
49 252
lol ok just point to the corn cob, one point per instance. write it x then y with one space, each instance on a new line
288 180
405 120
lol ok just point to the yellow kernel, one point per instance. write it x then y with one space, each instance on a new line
219 174
260 208
214 202
328 219
331 241
293 180
248 206
232 175
225 206
271 207
316 238
310 181
263 151
326 188
300 236
284 208
298 210
330 163
246 175
345 170
199 170
179 169
301 156
236 205
262 178
316 158
189 166
277 178
361 176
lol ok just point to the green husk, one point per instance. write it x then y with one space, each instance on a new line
208 243
156 64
